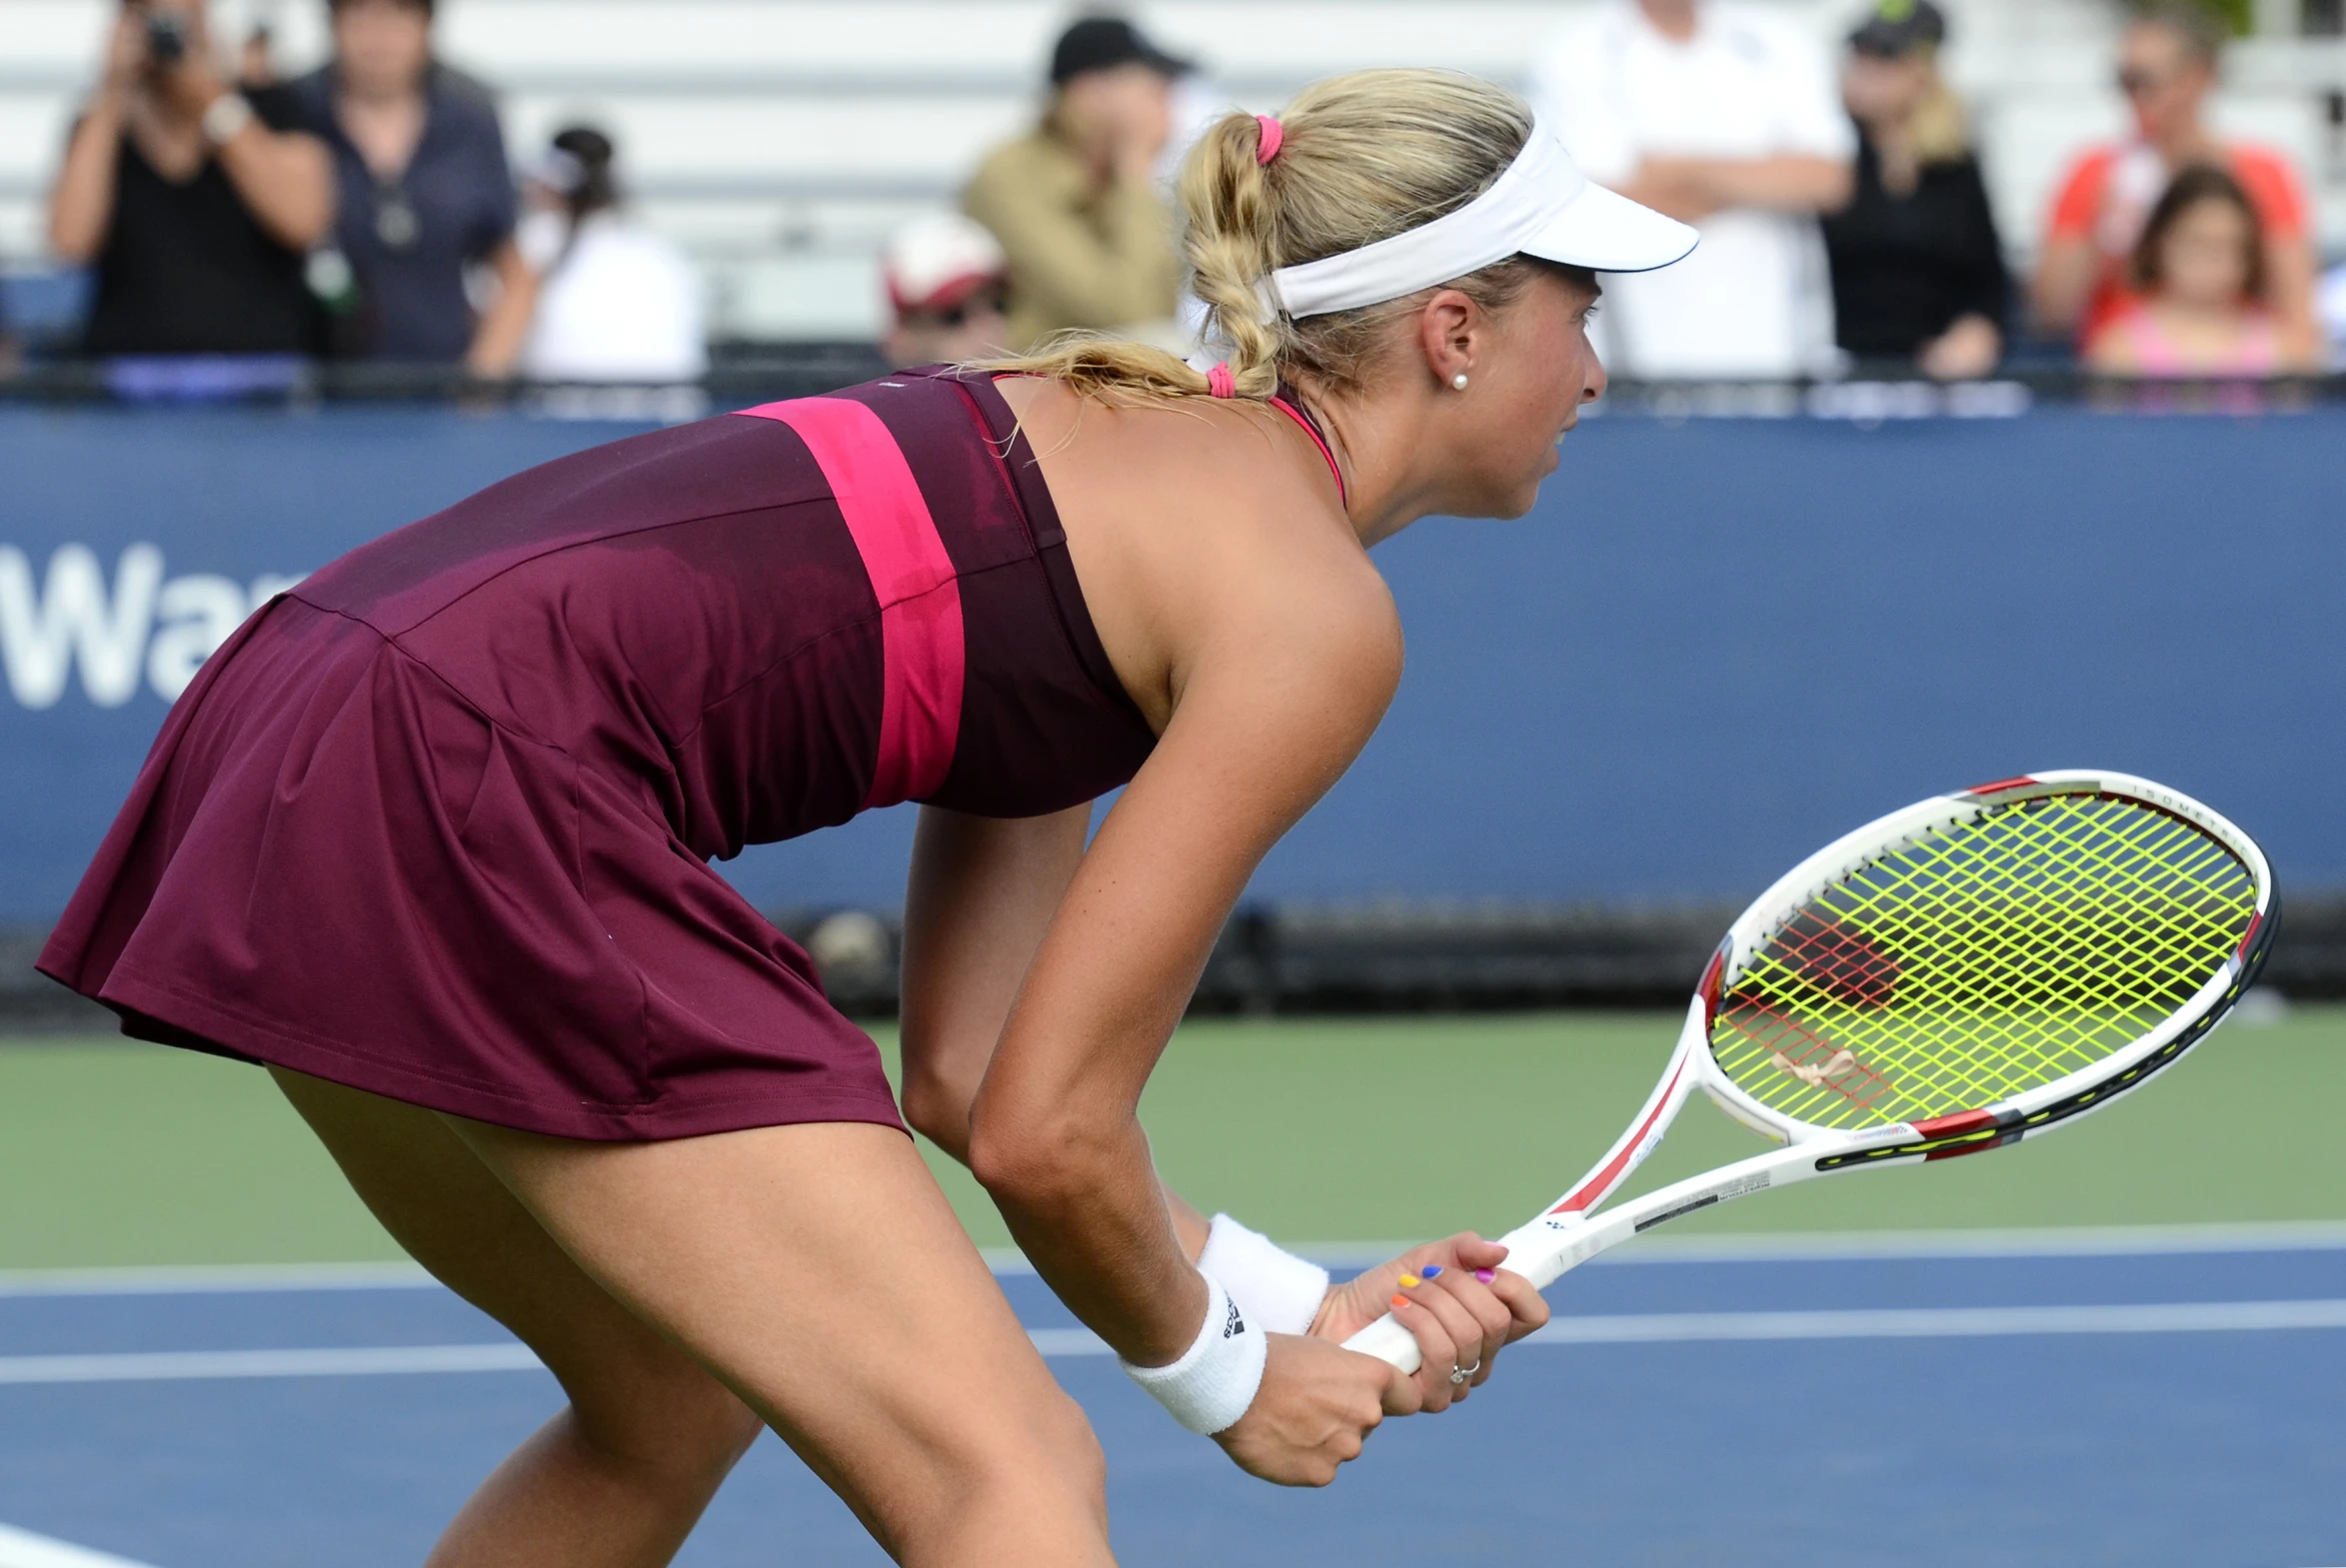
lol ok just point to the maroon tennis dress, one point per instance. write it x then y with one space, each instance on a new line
437 823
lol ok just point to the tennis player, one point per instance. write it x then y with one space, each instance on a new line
431 838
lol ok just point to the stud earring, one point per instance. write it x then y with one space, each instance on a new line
1459 380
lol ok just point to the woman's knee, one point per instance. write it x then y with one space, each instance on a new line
682 1429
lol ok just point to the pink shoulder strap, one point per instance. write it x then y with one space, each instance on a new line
1303 421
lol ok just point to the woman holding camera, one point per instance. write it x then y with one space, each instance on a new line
194 202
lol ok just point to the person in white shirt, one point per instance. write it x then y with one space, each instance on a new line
615 302
1725 117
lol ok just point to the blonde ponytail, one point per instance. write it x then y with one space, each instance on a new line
1365 156
1939 128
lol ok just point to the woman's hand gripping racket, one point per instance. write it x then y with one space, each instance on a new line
1973 970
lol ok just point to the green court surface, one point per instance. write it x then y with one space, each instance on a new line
113 1153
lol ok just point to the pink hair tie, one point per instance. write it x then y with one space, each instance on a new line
1275 135
1219 382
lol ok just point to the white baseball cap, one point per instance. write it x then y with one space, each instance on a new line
937 260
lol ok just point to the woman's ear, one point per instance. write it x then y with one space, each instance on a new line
1447 331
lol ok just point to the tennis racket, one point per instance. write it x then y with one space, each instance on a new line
1974 969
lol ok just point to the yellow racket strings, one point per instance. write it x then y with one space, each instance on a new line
1990 957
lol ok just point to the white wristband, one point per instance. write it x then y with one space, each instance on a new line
1214 1383
225 116
1278 1291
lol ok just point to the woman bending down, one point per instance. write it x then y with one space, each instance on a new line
429 838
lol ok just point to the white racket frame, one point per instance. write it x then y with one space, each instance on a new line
1569 1234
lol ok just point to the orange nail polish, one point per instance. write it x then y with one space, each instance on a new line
1401 1302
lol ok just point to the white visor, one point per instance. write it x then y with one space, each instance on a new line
1541 206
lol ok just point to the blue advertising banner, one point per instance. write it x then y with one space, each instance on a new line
1711 647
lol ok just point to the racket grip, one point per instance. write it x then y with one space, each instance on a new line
1390 1342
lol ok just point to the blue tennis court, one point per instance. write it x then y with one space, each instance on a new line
2072 1399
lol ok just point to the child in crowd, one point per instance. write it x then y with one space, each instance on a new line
2201 304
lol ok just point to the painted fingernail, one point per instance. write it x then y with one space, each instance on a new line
1486 1275
1431 1272
1410 1281
1402 1302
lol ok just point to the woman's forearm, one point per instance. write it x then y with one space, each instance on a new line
1086 1206
81 207
2294 268
505 325
2065 281
1787 182
285 180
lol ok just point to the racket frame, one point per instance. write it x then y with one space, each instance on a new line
1569 1232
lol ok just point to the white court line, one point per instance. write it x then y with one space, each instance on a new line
164 1366
2319 1235
210 1279
2182 1317
23 1549
1626 1329
1761 1247
2179 1317
1818 1246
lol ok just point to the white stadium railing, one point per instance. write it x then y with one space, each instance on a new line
778 140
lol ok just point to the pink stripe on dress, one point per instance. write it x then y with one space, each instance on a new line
913 578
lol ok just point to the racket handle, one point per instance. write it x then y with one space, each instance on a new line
1390 1342
1537 1252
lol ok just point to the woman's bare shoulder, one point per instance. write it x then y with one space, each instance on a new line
1196 523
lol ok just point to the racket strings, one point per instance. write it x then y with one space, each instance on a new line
2075 947
1974 1070
1900 878
1987 957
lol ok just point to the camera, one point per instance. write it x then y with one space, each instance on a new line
166 38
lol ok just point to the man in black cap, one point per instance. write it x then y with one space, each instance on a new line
1074 202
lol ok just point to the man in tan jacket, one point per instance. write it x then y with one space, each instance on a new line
1074 202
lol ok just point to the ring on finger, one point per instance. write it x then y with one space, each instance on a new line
1460 1374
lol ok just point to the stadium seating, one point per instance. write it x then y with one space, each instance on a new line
780 139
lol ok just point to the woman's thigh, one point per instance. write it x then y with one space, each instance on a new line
635 1392
819 1271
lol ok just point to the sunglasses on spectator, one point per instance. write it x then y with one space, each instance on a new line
985 301
2136 83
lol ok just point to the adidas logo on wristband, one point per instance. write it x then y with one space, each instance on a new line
1215 1381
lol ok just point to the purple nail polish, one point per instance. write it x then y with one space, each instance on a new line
1430 1272
1486 1275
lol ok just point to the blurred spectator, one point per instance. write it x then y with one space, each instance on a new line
2330 304
2167 65
194 202
2198 289
611 301
1918 272
425 192
255 62
1725 117
945 278
1076 203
